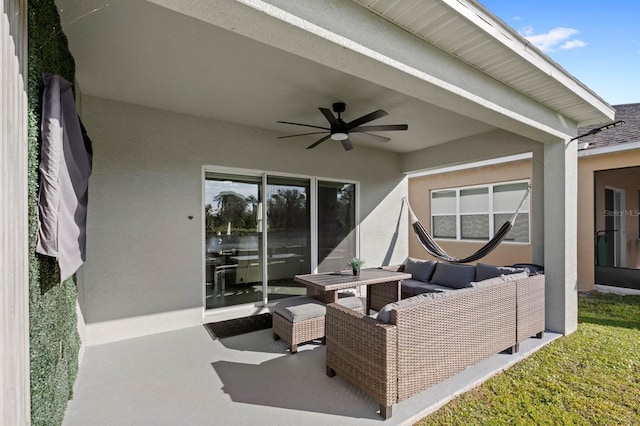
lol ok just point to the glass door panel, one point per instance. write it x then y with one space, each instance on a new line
288 235
233 239
336 225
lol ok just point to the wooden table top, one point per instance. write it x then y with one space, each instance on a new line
338 281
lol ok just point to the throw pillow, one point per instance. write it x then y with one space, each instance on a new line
514 277
419 269
484 271
454 275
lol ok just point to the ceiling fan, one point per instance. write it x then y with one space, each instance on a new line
340 129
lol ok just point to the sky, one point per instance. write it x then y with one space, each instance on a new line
597 41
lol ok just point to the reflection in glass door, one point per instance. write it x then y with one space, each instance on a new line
233 239
288 234
262 230
336 225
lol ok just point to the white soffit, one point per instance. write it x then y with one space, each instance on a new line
493 47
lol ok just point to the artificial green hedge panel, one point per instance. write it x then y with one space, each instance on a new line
54 340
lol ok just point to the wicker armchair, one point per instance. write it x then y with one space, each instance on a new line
430 341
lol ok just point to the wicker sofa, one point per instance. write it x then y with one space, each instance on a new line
431 336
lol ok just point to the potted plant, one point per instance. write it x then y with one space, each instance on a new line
356 264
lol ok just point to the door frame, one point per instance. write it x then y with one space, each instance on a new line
254 308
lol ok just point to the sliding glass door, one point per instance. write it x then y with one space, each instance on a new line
233 239
336 225
261 230
288 235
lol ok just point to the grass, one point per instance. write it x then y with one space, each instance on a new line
591 377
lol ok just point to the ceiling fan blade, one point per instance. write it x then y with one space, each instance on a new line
366 118
318 142
305 125
330 117
300 134
347 145
380 128
375 137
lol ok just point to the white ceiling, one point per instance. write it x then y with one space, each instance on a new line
141 53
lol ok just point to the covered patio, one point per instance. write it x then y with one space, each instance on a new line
170 91
188 377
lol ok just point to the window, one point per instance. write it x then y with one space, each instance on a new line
476 213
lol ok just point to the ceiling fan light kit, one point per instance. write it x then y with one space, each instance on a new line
339 136
340 130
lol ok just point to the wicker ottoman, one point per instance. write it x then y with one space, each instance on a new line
301 319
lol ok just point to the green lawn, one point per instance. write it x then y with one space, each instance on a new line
591 377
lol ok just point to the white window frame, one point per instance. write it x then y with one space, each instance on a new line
491 212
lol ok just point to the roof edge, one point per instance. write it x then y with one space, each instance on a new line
610 149
502 33
509 37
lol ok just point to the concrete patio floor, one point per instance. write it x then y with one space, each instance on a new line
186 377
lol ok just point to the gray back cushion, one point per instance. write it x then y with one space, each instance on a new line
484 271
454 275
419 269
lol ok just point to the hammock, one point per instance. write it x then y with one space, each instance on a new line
438 252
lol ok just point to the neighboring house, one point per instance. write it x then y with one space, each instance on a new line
608 243
609 203
182 99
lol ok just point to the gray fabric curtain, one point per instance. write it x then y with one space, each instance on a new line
65 167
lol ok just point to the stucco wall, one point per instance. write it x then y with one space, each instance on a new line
419 195
144 272
616 175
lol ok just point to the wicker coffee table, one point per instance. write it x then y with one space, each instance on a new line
325 287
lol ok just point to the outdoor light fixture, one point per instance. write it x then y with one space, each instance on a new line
599 129
583 146
339 136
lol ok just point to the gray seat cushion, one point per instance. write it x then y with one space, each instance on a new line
420 270
484 271
414 287
300 308
384 314
504 278
350 302
454 275
488 282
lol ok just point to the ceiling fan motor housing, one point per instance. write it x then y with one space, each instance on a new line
340 131
339 107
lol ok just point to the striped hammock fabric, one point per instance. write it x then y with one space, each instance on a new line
439 253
